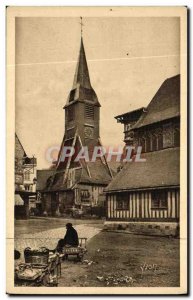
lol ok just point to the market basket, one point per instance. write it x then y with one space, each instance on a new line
36 256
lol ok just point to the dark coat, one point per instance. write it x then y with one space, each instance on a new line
71 237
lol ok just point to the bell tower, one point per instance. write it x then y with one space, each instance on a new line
82 110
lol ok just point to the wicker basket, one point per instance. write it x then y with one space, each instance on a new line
36 256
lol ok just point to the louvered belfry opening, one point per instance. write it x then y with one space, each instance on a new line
89 111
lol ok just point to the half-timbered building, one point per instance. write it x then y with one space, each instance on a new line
145 196
25 181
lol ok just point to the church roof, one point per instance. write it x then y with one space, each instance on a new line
82 89
99 174
161 169
164 105
42 177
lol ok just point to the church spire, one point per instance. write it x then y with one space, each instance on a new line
81 26
81 76
82 89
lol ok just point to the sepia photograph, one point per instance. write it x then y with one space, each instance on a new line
96 140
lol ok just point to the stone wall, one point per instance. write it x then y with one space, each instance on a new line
147 228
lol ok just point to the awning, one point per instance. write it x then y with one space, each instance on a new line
18 200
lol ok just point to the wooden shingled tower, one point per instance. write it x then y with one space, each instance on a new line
78 184
82 119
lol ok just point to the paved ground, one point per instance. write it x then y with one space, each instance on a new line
35 225
36 233
113 259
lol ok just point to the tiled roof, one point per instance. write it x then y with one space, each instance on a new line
99 174
164 105
161 169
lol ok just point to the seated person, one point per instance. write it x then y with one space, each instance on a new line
70 238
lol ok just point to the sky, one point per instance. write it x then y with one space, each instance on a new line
128 60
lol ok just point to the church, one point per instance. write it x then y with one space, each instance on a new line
77 184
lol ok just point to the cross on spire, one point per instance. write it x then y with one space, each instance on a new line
81 25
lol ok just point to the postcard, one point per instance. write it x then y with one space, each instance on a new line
97 150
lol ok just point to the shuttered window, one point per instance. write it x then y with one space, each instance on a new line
89 111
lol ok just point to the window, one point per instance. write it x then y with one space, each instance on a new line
159 200
148 144
85 196
167 136
123 201
143 144
26 176
70 113
89 111
72 94
154 142
160 141
177 137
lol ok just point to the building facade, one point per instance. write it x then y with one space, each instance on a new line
25 181
77 184
144 197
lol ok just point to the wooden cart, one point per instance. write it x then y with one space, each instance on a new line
39 271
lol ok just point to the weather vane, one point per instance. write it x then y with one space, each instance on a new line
81 24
